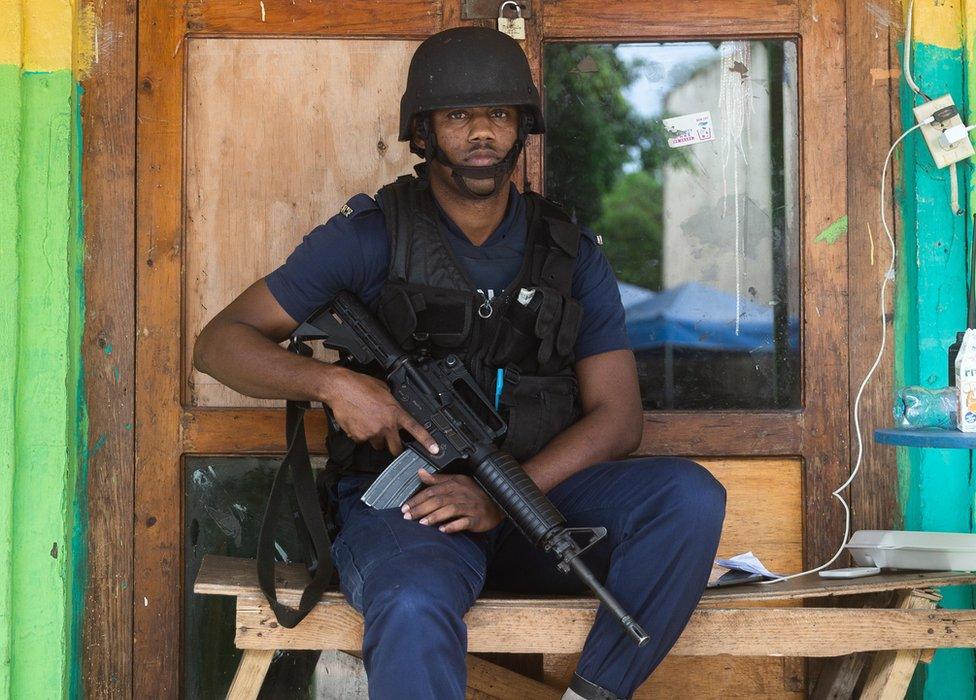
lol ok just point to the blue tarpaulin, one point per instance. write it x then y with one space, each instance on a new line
694 315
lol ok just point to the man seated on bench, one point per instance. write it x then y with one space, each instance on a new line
447 261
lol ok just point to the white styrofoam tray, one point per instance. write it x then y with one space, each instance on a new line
928 551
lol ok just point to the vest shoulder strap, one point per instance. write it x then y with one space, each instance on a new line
557 246
418 251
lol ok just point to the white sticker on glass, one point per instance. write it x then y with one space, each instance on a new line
689 129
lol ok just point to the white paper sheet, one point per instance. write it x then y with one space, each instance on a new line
748 562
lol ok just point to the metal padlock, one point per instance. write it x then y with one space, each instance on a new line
514 27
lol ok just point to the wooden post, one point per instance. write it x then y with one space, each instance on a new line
891 671
250 674
839 677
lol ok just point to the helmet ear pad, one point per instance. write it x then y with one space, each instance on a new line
422 129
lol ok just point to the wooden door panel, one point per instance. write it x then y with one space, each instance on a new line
314 17
279 134
764 510
704 678
706 434
637 19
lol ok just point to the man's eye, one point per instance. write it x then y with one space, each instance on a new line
499 114
456 115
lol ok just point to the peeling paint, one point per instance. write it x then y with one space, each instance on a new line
99 444
881 76
740 68
834 232
86 41
884 16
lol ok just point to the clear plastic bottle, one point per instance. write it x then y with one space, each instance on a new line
918 407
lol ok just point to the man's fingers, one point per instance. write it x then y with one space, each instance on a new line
393 442
426 503
464 523
418 431
447 512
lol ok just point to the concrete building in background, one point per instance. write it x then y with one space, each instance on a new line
701 194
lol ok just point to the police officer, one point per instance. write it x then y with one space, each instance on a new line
457 260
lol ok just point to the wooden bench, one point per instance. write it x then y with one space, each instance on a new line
903 635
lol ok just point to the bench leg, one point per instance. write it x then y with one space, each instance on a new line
892 671
250 674
486 679
839 677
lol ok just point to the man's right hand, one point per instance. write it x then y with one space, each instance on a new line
367 412
239 347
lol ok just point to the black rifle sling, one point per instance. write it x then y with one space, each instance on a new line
319 565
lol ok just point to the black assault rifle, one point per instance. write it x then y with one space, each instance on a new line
442 396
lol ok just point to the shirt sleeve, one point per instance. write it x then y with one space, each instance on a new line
603 327
347 252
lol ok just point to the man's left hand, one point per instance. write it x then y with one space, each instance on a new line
455 498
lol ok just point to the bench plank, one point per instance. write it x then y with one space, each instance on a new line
813 632
221 575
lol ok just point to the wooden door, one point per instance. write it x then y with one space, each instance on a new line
249 133
257 120
781 457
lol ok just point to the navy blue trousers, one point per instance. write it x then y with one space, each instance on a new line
413 584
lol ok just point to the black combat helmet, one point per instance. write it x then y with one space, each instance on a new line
469 67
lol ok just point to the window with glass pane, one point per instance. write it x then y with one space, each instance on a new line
703 237
224 503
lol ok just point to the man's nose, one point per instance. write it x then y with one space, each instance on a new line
481 128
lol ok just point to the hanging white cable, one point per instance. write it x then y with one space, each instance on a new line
954 191
889 276
907 62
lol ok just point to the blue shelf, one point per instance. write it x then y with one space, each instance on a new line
926 437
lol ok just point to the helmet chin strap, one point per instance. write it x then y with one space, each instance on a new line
499 172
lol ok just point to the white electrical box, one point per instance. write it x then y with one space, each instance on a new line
927 551
943 156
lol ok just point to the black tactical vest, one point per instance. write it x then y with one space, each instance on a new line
429 306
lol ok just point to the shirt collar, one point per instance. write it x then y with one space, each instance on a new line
513 215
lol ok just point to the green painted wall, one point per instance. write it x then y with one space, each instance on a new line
936 486
9 219
42 416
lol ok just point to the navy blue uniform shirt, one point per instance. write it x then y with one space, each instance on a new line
351 251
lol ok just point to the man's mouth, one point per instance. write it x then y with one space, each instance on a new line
482 158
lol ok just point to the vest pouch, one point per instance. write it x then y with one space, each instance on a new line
569 327
417 314
397 309
537 409
515 340
547 322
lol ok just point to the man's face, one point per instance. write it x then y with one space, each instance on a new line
473 136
